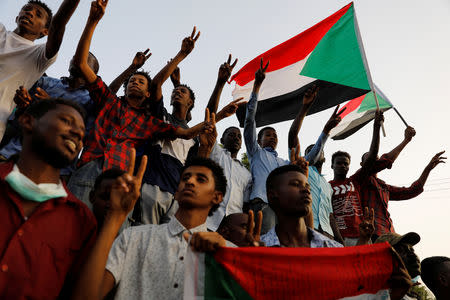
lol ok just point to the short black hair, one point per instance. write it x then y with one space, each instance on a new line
271 179
47 10
112 173
220 181
228 129
39 108
261 132
430 268
191 95
96 64
143 73
340 153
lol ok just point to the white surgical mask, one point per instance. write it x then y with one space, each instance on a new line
32 191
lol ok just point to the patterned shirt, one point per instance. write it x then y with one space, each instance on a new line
317 239
147 261
375 193
118 128
321 200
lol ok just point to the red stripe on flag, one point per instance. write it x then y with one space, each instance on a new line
352 105
290 51
308 273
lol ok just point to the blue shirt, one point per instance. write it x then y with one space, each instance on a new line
265 160
321 193
317 240
55 88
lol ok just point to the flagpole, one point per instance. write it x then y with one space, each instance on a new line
379 92
401 117
366 64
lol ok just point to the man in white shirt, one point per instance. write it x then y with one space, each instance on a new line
22 62
239 179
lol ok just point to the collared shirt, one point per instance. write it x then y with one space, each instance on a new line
239 181
118 128
56 88
317 239
38 252
321 199
375 193
265 160
147 261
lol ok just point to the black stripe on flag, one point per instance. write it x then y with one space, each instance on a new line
286 107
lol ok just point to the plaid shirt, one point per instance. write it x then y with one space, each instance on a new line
375 193
118 128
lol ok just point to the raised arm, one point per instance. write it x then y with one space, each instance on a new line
250 136
58 27
207 139
375 144
225 70
332 122
81 55
95 282
186 47
409 134
405 193
189 133
308 100
138 61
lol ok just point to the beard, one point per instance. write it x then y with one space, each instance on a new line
50 155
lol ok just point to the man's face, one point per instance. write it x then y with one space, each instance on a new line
269 138
232 140
236 229
181 96
293 196
100 199
197 188
32 18
57 137
137 87
409 257
340 165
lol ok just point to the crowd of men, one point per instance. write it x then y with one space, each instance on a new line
147 185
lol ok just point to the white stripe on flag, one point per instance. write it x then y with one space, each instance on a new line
194 275
277 83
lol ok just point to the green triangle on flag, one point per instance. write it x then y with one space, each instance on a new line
370 104
337 58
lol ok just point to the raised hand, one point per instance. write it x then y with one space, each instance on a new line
253 234
437 159
97 10
205 241
140 58
409 133
189 42
298 160
41 94
22 98
379 118
260 75
366 227
334 120
208 135
225 69
310 95
126 189
230 109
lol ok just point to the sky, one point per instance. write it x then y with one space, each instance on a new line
407 47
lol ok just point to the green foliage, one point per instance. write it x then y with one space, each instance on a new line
245 161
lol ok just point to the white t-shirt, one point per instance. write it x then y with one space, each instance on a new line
21 63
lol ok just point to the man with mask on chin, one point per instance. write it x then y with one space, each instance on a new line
41 241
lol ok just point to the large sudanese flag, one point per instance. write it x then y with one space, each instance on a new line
329 54
356 273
